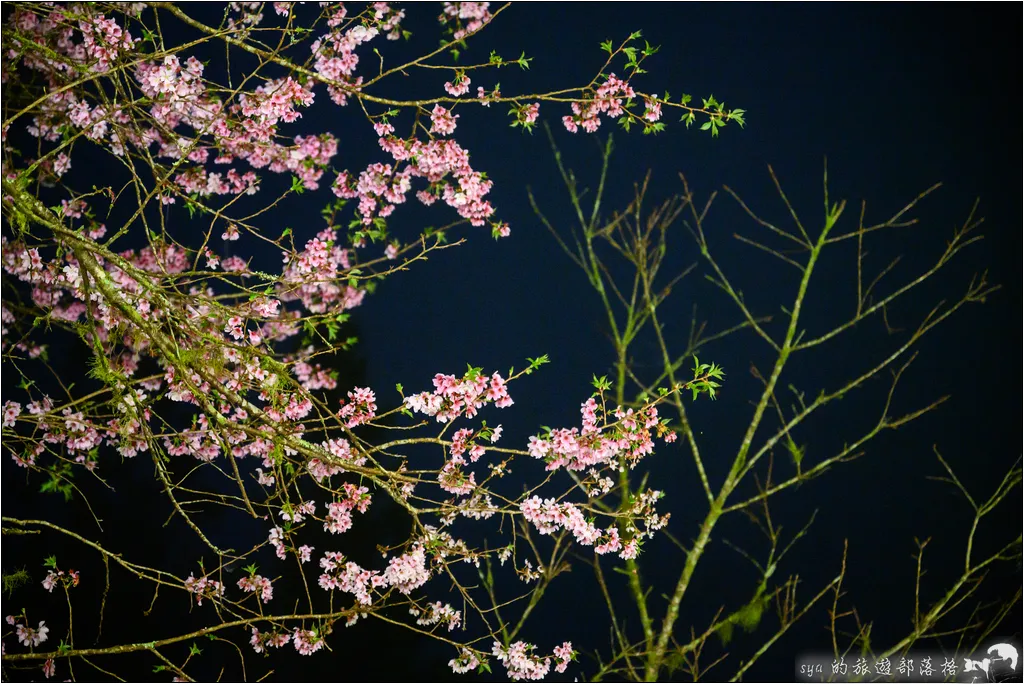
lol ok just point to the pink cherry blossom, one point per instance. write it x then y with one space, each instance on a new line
443 121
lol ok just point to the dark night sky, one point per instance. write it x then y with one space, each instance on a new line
897 97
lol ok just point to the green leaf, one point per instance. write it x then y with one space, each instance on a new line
795 451
472 372
536 363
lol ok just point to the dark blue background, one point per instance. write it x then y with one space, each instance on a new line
897 98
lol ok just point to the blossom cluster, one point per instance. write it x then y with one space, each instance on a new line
102 41
339 452
203 588
437 613
261 641
521 664
312 276
307 641
258 583
466 17
442 163
405 573
548 516
339 513
60 578
607 100
348 577
361 407
624 442
464 662
454 397
29 636
336 59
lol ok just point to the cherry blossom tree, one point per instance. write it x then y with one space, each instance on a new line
210 336
209 363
